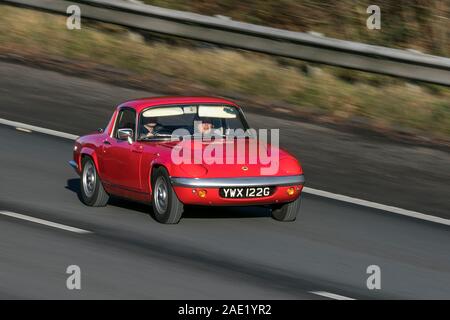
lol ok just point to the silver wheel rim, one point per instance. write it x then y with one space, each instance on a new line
89 179
161 196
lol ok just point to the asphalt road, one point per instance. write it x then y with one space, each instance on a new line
371 168
230 253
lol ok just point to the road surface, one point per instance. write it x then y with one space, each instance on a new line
212 254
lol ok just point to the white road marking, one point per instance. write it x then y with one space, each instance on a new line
23 130
374 205
330 295
321 193
38 129
44 222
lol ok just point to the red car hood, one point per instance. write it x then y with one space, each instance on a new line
214 159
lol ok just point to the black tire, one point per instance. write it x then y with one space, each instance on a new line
166 206
287 211
91 189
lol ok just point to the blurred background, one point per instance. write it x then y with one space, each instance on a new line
419 24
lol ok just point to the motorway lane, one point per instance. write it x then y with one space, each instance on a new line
228 253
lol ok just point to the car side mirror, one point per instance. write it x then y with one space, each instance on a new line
125 134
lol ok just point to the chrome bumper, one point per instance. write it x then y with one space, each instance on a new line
238 182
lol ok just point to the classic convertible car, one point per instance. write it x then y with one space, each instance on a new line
177 151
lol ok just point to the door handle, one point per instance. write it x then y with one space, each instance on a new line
106 142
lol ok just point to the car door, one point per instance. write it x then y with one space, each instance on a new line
121 159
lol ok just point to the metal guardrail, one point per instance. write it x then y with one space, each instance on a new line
298 45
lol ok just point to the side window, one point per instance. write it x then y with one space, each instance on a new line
126 120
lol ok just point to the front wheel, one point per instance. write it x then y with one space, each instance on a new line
166 206
287 211
92 192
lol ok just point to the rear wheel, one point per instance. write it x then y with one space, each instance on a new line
287 211
166 206
92 192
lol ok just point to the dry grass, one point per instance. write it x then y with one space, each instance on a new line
380 102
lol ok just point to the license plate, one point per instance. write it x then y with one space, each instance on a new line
245 192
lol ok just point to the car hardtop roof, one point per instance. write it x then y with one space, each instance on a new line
144 103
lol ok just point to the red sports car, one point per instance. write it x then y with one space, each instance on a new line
177 151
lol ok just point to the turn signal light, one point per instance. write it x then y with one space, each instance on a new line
290 191
201 193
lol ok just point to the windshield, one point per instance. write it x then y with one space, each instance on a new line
162 122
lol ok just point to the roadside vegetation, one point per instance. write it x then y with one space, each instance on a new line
324 94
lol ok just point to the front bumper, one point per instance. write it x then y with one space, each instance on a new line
238 182
187 190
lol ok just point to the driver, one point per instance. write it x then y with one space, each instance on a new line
205 126
148 129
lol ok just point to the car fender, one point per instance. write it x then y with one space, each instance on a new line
154 164
88 151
